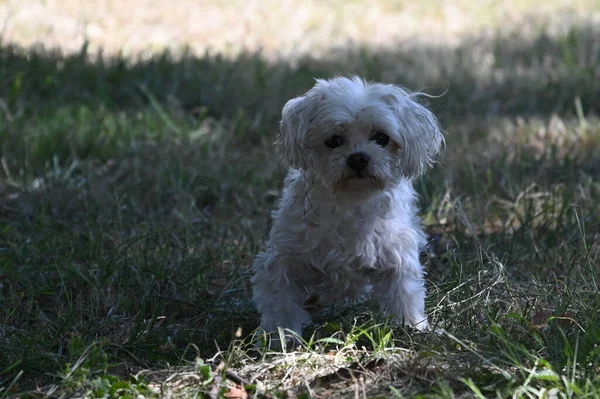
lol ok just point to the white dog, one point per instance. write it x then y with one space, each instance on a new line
347 223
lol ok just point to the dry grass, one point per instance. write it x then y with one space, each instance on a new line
288 28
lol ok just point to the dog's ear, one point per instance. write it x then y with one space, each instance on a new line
419 129
296 119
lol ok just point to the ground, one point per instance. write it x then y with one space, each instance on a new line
138 174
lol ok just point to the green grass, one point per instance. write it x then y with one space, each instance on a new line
134 195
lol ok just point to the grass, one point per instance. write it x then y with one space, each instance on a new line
228 26
134 193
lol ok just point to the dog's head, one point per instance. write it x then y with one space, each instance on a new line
358 136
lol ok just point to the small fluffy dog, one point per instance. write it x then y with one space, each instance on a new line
346 223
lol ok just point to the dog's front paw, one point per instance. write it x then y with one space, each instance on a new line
280 340
421 324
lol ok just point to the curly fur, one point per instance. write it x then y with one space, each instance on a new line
339 234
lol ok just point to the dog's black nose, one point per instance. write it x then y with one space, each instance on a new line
358 161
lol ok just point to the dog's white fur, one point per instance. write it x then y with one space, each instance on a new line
339 234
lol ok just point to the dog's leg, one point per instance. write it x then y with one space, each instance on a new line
402 296
279 301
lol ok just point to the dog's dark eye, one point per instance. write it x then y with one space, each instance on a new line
380 138
334 141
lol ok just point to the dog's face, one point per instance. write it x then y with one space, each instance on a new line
356 136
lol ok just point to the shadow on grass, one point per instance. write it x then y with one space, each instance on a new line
513 74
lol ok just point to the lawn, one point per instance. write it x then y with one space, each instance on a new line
136 185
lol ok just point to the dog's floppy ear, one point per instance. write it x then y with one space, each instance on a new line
296 119
420 131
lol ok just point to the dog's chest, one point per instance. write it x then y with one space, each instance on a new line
343 239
